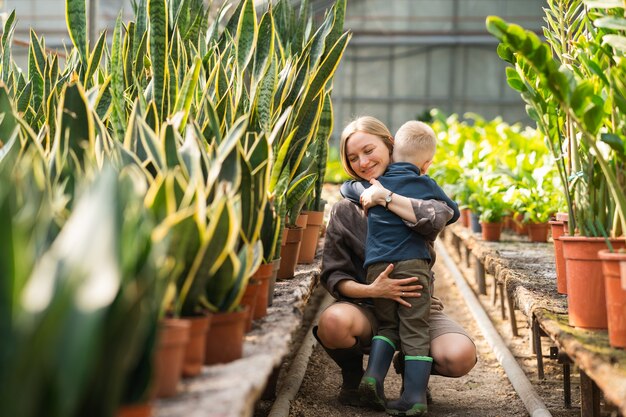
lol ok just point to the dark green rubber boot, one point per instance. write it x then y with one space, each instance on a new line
350 360
371 387
413 401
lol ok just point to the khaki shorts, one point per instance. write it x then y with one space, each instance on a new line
440 323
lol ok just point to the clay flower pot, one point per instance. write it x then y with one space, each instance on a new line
557 232
538 232
172 341
224 341
250 297
194 353
310 236
135 410
289 252
263 275
466 215
615 297
491 231
586 294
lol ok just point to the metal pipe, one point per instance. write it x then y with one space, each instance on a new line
534 404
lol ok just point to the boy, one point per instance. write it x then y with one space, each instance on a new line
389 240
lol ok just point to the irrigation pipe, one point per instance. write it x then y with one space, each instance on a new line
291 384
523 387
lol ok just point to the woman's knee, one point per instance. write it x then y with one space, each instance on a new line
339 326
454 355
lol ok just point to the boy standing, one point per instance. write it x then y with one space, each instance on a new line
389 240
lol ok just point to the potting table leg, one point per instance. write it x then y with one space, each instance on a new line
467 257
567 384
536 334
494 294
457 246
511 313
502 308
589 396
480 277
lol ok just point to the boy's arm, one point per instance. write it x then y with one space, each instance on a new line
352 190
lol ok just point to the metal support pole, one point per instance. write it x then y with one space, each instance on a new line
93 22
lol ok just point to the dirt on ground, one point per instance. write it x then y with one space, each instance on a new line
484 392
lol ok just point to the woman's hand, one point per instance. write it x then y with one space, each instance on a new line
395 289
374 195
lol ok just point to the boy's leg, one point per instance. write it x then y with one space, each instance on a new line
383 347
414 334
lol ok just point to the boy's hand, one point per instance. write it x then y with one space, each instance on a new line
396 289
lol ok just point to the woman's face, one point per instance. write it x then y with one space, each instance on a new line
367 154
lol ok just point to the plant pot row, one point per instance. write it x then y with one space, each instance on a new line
592 278
299 243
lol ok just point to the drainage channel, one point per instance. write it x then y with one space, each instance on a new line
533 403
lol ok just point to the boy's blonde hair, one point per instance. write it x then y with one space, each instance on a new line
415 141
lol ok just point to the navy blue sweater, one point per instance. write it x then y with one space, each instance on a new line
388 238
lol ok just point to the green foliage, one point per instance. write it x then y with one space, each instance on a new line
159 170
574 88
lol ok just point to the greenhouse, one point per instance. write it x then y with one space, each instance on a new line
308 208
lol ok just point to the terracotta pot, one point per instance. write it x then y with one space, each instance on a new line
622 267
310 236
538 232
224 341
615 297
172 342
135 410
563 217
263 275
466 217
194 353
270 292
520 227
585 283
491 231
289 252
250 297
557 232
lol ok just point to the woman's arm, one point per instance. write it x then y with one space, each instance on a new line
382 287
426 217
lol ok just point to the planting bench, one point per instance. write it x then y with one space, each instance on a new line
524 274
232 389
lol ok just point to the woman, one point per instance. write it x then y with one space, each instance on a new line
346 328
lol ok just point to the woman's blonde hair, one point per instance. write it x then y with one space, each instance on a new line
366 124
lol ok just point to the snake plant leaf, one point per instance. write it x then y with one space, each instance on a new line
339 14
140 53
246 36
264 97
5 44
324 132
325 71
280 162
76 20
190 154
118 102
141 25
249 259
304 134
7 115
23 97
264 51
170 146
158 20
36 65
186 95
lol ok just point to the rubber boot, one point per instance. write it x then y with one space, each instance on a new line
372 384
350 360
398 366
413 401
